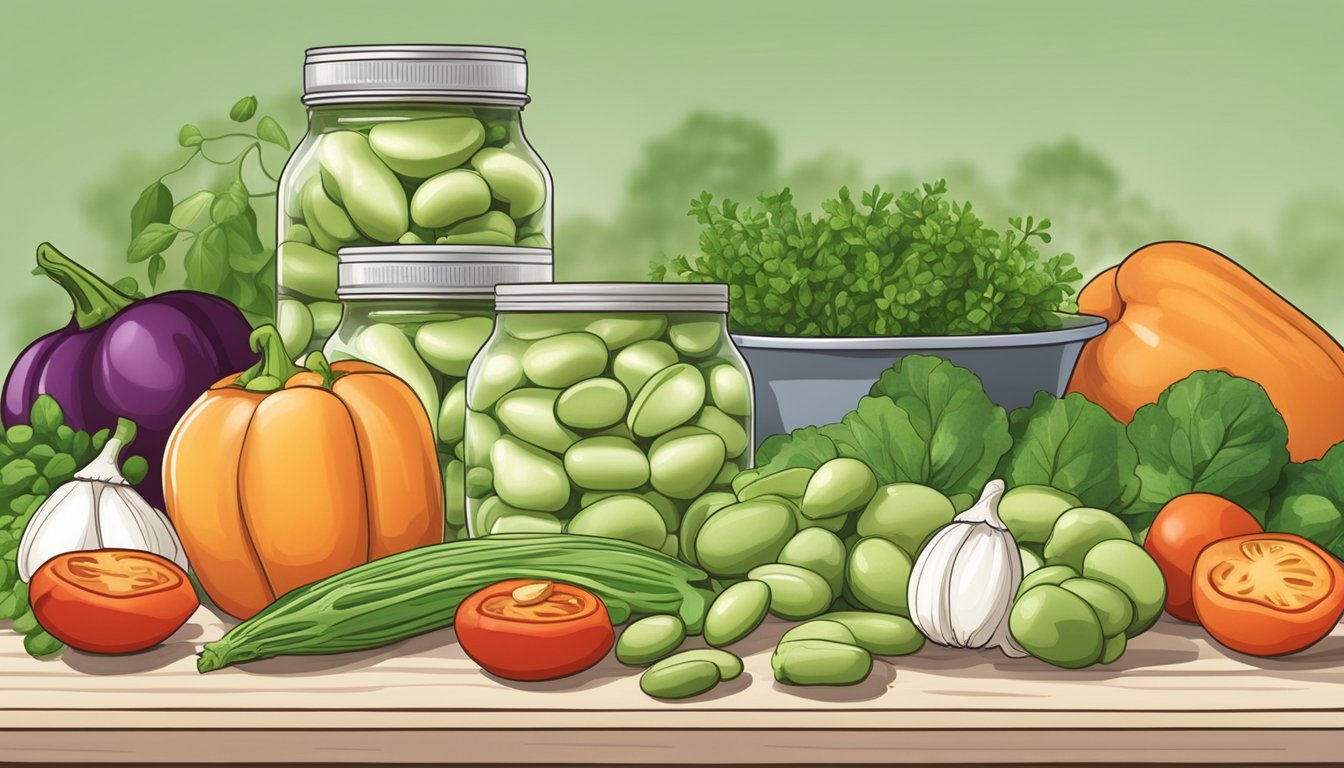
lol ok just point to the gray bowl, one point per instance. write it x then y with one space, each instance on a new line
801 382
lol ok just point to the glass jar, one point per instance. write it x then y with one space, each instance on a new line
406 144
422 313
604 409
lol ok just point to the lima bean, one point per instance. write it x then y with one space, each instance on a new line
820 629
453 414
295 323
820 662
730 666
695 338
419 149
883 634
726 427
729 390
650 639
498 373
634 365
490 228
1112 607
1056 626
368 190
905 514
670 398
528 477
619 332
512 180
307 271
838 487
328 225
527 522
623 516
744 535
680 681
736 612
479 480
480 436
529 414
387 347
795 593
1050 574
564 360
1077 530
697 513
454 500
450 345
1030 511
819 551
684 461
1124 565
606 463
790 483
878 575
326 316
592 404
448 198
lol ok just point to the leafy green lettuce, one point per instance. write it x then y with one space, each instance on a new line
913 427
1211 433
1071 444
1309 501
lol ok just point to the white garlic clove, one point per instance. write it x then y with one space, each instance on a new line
64 523
159 536
975 588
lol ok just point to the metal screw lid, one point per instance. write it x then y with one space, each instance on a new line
436 271
612 297
477 74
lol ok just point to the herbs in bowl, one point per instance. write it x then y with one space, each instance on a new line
820 304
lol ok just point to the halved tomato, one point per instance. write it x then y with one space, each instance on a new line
526 629
1268 594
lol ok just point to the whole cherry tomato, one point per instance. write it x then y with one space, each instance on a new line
1268 594
1184 527
533 630
111 600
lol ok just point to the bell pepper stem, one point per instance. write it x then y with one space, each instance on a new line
274 368
96 301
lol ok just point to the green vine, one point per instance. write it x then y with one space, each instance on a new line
215 231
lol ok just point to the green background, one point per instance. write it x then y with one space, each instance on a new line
1125 122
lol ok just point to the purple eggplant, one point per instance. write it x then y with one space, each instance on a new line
146 360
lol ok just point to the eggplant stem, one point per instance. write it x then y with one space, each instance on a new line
96 301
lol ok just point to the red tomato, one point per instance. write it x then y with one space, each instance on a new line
111 600
1268 594
1184 527
533 630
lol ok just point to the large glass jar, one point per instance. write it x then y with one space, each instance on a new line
604 409
406 144
422 313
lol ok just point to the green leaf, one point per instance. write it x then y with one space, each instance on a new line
207 260
9 605
269 130
41 644
154 238
156 267
805 447
19 435
1309 501
189 136
946 405
189 210
60 468
881 435
1211 433
227 206
154 206
1071 444
135 469
243 109
46 415
130 286
17 473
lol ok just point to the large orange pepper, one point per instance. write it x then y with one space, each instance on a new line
1176 308
280 476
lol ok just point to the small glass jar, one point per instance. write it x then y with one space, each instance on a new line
422 313
410 145
604 409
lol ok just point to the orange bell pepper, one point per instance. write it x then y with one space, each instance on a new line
1176 308
279 476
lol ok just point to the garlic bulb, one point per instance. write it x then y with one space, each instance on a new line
97 509
963 584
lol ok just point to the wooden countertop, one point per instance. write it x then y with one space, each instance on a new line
1172 698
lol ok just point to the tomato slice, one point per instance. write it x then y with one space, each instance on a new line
534 630
111 600
1268 594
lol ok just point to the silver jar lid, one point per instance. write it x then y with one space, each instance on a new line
436 271
612 297
479 74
